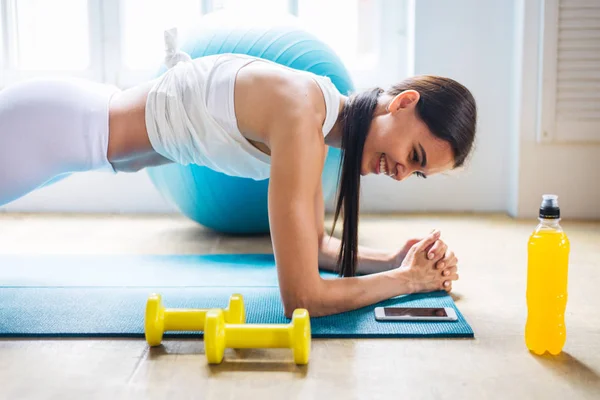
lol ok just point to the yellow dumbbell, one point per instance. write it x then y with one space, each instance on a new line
159 319
219 335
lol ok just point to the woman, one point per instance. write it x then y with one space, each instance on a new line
253 118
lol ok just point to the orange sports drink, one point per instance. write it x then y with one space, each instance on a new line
547 271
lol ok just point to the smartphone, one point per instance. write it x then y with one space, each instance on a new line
415 314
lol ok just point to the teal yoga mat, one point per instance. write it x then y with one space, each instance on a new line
105 296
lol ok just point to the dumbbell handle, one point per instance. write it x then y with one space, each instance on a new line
184 319
257 336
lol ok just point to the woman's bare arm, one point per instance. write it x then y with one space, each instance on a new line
296 167
370 260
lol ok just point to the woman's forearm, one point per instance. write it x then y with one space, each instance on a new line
345 294
370 261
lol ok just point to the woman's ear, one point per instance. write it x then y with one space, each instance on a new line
404 100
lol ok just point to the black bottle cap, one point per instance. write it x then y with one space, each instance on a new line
549 208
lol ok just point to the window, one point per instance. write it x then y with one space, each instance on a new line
46 38
49 38
267 6
144 24
3 36
121 41
348 26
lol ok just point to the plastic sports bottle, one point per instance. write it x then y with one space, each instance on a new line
547 271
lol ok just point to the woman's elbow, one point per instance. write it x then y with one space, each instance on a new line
292 304
305 299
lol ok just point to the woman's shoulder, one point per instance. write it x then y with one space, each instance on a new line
268 95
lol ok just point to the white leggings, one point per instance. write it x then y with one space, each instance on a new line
49 128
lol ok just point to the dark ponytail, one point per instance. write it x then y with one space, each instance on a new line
447 108
356 118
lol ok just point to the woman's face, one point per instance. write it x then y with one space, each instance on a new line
399 144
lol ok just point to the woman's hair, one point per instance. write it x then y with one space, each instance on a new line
445 106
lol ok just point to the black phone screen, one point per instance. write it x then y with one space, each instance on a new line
414 312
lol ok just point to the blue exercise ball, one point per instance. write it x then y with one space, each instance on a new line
231 204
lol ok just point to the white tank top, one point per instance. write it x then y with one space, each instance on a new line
190 116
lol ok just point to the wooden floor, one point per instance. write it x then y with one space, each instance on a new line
490 293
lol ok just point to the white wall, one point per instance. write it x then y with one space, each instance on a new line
471 41
516 84
572 171
95 192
